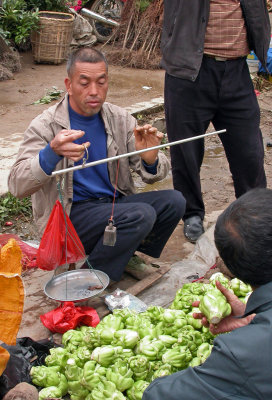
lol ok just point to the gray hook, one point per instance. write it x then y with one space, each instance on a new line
86 156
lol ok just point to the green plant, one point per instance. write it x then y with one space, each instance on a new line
10 206
50 95
3 36
16 21
143 4
48 5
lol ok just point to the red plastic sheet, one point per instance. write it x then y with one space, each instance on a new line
53 250
29 252
68 316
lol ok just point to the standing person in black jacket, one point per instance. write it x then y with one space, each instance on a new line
204 47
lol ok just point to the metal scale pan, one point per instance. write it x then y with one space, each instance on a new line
76 285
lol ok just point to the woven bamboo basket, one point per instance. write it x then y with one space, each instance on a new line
51 41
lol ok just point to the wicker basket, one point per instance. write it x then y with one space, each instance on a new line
50 43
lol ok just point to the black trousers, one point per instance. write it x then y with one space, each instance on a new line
224 95
144 222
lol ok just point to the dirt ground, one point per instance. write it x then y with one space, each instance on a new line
31 83
126 89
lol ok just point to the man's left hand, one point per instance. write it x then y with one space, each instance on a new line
147 136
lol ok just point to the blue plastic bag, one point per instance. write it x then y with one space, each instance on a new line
268 64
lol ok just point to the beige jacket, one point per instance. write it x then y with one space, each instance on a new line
27 177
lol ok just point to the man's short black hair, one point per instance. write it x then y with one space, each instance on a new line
243 237
84 54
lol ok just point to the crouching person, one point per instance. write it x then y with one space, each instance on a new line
62 135
239 366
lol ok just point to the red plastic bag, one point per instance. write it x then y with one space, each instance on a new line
52 249
29 252
68 316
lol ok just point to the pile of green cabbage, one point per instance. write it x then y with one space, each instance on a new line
126 351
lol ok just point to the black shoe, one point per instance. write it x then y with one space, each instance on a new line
193 228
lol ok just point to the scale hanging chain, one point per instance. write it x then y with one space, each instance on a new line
110 232
115 190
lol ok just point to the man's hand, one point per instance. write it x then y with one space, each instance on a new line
63 145
229 323
147 136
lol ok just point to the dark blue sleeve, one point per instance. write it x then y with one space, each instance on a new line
48 159
151 169
220 377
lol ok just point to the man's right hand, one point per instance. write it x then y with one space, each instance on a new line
63 144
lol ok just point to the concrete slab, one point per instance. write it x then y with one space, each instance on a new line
8 150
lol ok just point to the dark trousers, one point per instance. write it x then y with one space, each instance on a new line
224 95
144 222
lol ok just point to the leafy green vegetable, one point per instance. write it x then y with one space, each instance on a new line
50 392
189 293
90 378
77 391
167 340
72 371
51 95
165 369
240 288
195 323
218 276
178 357
45 376
106 355
82 355
121 375
106 391
58 357
137 390
126 351
203 351
140 367
126 338
214 306
151 348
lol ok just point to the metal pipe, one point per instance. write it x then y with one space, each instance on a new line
133 153
98 17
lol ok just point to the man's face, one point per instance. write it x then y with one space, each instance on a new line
87 87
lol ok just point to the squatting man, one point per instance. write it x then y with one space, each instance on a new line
57 138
